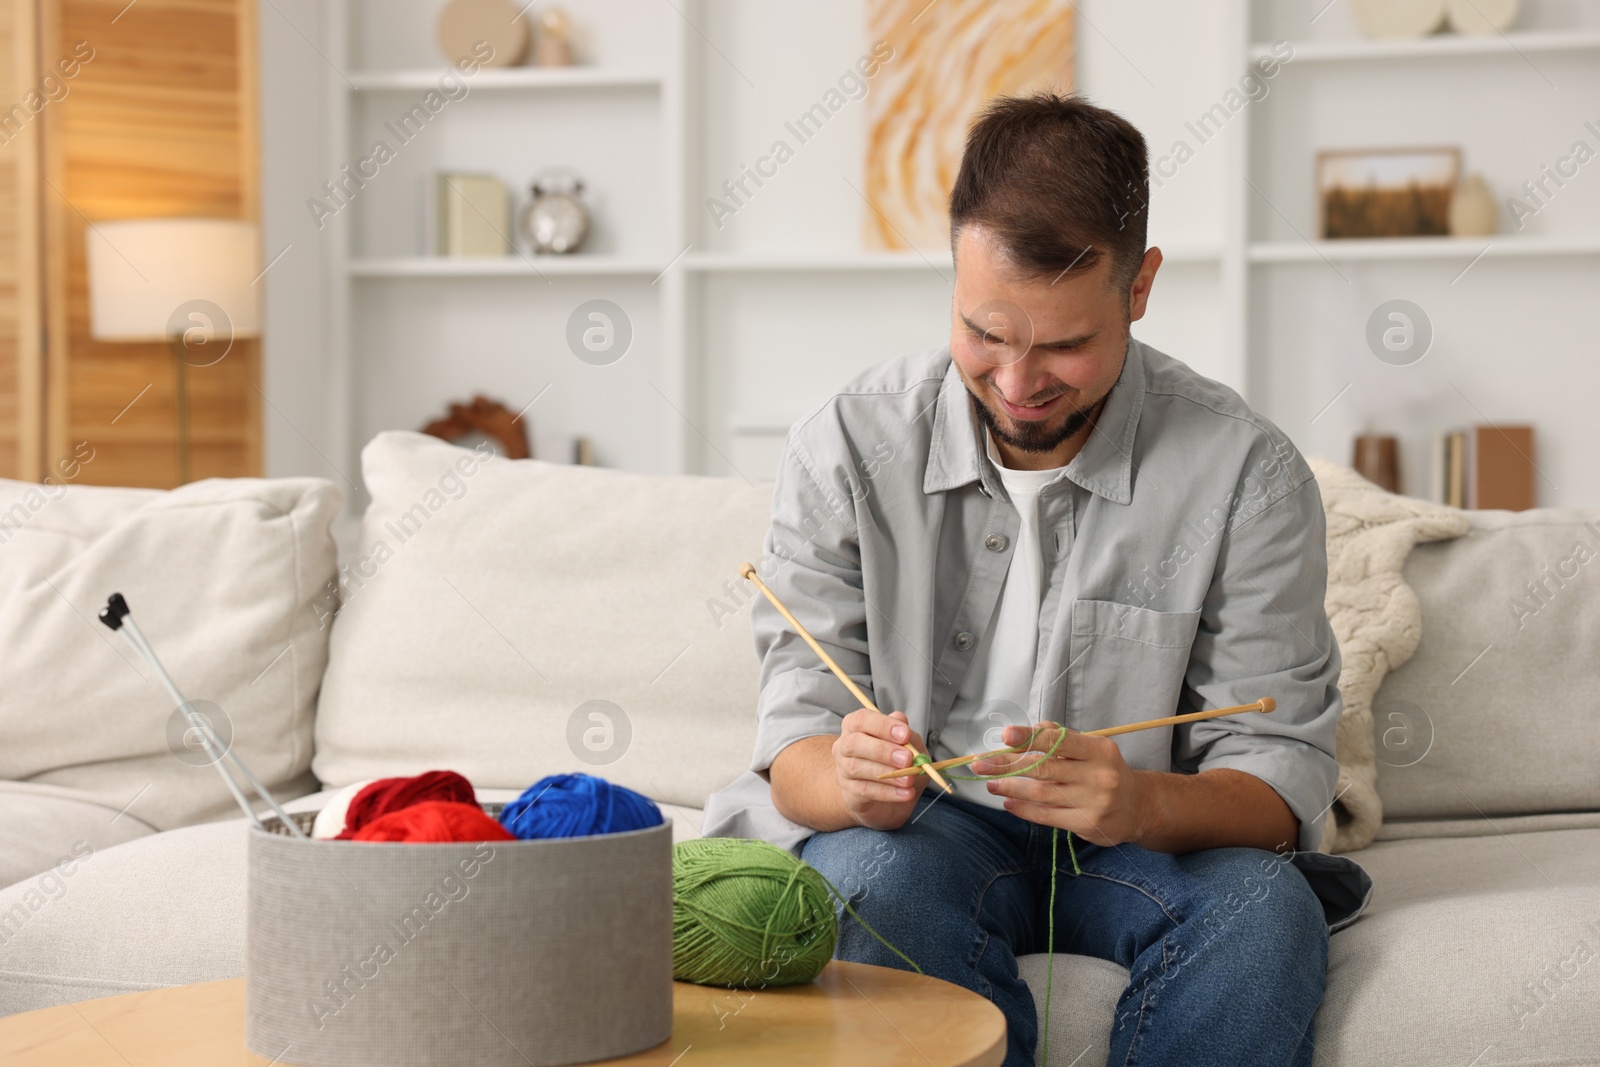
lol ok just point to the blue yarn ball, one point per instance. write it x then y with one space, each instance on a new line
577 805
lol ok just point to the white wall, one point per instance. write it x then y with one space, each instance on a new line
294 366
1158 80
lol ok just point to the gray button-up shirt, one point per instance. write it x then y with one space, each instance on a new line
1184 568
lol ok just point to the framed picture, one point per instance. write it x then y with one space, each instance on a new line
942 69
1386 192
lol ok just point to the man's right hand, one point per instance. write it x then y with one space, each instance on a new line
869 744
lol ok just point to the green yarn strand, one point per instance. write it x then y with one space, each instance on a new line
1022 747
922 758
748 914
1055 836
1050 946
880 938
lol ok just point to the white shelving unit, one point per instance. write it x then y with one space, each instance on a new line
1440 45
741 324
499 267
883 261
411 332
1509 316
712 262
521 79
1497 246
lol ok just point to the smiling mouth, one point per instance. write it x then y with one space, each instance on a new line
1031 410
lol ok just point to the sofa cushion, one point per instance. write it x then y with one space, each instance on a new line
39 824
1474 950
1083 1004
223 576
1467 945
1375 618
512 619
1498 712
163 910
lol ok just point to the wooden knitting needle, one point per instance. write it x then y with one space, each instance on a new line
1264 706
747 571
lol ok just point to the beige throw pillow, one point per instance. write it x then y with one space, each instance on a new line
509 619
222 576
1376 619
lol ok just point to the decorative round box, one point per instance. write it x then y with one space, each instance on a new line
489 954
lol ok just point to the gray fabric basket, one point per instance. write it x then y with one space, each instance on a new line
496 954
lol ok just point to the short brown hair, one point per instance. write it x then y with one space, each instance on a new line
1059 181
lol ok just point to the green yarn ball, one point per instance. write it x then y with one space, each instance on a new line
748 914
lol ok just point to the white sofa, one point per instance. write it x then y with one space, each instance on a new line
509 620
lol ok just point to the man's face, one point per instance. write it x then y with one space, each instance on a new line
1039 354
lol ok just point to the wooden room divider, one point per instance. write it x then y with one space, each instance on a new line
118 110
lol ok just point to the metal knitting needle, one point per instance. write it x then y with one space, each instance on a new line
128 628
117 608
116 615
747 571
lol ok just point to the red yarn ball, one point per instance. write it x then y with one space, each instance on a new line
393 794
435 821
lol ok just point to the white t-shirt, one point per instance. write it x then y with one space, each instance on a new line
994 694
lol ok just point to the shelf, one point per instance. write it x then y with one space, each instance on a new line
701 262
523 78
1182 253
760 427
713 262
778 262
1499 246
1438 45
512 266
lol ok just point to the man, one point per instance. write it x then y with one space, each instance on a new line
1049 522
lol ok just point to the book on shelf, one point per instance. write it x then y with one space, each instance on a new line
1485 467
427 222
474 215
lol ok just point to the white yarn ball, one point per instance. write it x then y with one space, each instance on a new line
330 820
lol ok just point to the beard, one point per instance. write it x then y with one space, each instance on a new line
1033 436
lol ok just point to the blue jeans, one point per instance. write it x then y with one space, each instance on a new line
1227 948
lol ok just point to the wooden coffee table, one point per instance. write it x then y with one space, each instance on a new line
853 1014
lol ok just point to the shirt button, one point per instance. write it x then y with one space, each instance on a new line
933 739
963 640
995 542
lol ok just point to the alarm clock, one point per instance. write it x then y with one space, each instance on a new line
555 220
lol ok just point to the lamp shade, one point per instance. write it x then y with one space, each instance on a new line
151 279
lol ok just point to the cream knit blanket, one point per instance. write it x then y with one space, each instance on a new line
1376 619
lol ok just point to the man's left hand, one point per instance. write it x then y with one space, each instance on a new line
1085 787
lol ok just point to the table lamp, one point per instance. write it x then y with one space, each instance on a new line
189 282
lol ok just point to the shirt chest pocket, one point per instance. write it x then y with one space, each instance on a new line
1127 664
